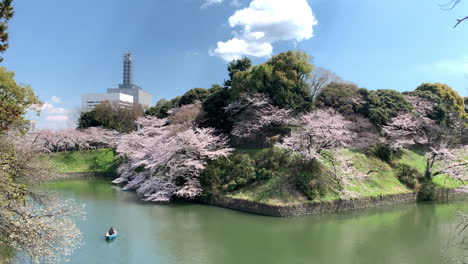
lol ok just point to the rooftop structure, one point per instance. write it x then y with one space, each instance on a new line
126 93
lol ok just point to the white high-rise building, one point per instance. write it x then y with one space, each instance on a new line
126 94
90 101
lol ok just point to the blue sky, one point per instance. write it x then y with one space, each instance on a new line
66 48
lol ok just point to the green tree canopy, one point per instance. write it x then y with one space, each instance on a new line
213 106
236 66
448 100
88 119
6 13
465 100
342 96
382 105
283 78
15 100
198 94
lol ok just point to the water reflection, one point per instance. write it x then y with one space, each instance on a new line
190 233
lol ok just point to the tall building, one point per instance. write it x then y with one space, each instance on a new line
127 87
126 94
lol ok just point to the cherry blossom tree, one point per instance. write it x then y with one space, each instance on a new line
440 141
73 139
163 161
34 224
328 129
253 113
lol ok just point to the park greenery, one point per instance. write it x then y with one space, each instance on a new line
292 133
281 132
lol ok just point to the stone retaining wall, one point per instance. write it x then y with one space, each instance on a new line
331 206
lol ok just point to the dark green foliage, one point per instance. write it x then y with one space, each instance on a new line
271 163
283 78
309 178
408 176
382 105
447 100
236 66
160 109
383 152
227 174
88 119
344 97
213 106
6 13
240 170
198 94
427 191
465 100
379 106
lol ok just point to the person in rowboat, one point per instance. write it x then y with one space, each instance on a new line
111 231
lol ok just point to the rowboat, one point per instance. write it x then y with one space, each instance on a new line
109 237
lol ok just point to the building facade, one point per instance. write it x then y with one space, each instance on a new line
90 101
126 93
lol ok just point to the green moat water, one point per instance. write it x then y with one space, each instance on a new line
196 234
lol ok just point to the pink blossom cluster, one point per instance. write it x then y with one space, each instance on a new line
254 112
74 139
162 161
327 129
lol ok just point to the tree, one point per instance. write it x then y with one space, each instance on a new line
448 100
465 100
439 141
198 94
328 129
35 225
160 109
6 13
215 115
15 99
283 78
381 105
321 78
88 119
164 161
253 113
451 5
345 97
114 115
185 116
73 139
236 66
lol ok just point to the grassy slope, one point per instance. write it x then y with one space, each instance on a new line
416 160
99 160
369 177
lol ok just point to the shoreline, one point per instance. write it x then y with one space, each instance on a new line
306 208
320 207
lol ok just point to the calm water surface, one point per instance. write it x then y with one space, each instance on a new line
190 233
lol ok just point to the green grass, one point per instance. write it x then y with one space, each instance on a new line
371 177
249 151
415 159
276 191
99 160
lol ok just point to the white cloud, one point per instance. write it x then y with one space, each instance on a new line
208 3
51 109
57 118
263 23
55 99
